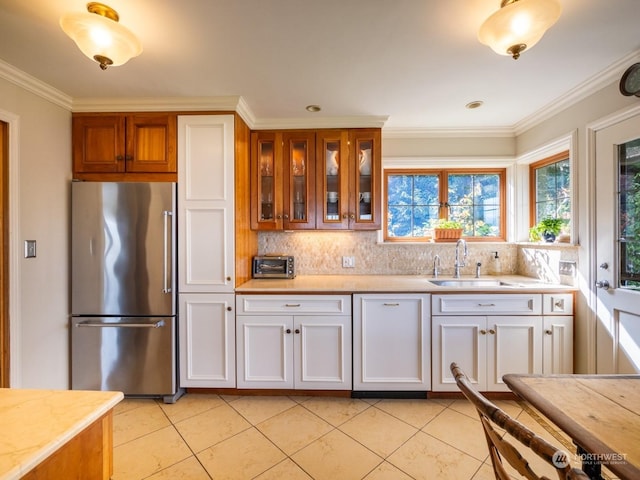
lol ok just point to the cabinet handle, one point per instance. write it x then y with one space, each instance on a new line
128 157
288 330
297 330
391 304
228 279
352 216
486 304
286 216
119 158
229 309
548 332
492 331
483 332
288 305
345 216
279 217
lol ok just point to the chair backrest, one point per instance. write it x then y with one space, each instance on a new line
499 446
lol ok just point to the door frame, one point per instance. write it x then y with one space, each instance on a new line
592 268
10 317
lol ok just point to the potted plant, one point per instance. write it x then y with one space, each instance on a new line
445 230
547 228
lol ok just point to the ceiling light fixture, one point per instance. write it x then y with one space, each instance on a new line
313 108
519 24
100 37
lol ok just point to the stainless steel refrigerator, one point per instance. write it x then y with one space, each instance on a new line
123 288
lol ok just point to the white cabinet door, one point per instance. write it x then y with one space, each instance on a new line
206 255
514 345
322 352
557 345
392 340
207 341
459 339
264 351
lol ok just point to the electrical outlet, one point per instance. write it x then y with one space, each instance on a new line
567 268
348 262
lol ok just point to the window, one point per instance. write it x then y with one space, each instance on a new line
550 189
416 198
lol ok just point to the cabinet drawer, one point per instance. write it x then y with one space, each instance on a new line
557 304
521 304
293 304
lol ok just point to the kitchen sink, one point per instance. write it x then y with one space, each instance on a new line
471 283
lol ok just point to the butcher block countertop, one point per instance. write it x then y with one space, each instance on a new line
37 424
347 284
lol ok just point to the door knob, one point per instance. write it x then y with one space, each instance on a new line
604 266
604 284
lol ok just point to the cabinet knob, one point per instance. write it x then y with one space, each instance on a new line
128 157
297 330
352 216
119 158
229 309
345 216
288 330
286 216
279 217
483 332
492 331
548 332
228 279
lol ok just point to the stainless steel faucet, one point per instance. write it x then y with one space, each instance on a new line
458 263
436 266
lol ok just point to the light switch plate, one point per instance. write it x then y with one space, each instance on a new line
567 268
29 249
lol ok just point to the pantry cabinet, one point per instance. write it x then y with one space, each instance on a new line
294 342
392 342
140 143
316 179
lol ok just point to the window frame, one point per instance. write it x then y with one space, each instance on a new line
443 174
533 167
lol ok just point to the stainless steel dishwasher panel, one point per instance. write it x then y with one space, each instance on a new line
134 355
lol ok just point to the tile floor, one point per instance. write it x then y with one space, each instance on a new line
257 437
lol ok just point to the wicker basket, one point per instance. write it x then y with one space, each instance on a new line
446 234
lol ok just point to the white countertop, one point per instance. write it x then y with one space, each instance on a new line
35 423
393 284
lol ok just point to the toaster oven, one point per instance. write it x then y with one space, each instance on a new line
273 266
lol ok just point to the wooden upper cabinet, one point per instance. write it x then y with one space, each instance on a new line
124 143
316 179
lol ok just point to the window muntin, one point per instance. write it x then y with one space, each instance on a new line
415 198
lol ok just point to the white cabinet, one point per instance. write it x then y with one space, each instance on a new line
294 342
207 340
391 349
485 347
558 333
491 335
206 250
206 258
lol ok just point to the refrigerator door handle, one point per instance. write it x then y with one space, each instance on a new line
91 323
166 287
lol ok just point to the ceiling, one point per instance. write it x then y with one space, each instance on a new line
413 64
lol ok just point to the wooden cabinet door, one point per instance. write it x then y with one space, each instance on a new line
299 208
151 143
266 181
333 167
366 182
557 345
98 144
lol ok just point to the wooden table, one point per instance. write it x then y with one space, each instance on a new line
601 414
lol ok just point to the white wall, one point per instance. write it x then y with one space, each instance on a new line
39 321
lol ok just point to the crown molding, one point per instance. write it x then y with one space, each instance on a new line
357 121
155 104
583 90
32 84
398 132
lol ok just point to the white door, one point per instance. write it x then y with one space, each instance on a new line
617 247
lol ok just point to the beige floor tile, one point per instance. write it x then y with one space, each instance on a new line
424 457
415 412
386 471
147 455
294 429
243 456
511 408
189 469
130 404
258 409
378 431
336 411
485 472
285 470
190 405
136 422
336 456
459 431
211 427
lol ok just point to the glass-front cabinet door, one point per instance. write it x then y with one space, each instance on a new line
299 209
332 158
365 150
266 181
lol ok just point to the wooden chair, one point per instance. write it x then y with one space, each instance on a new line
499 446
